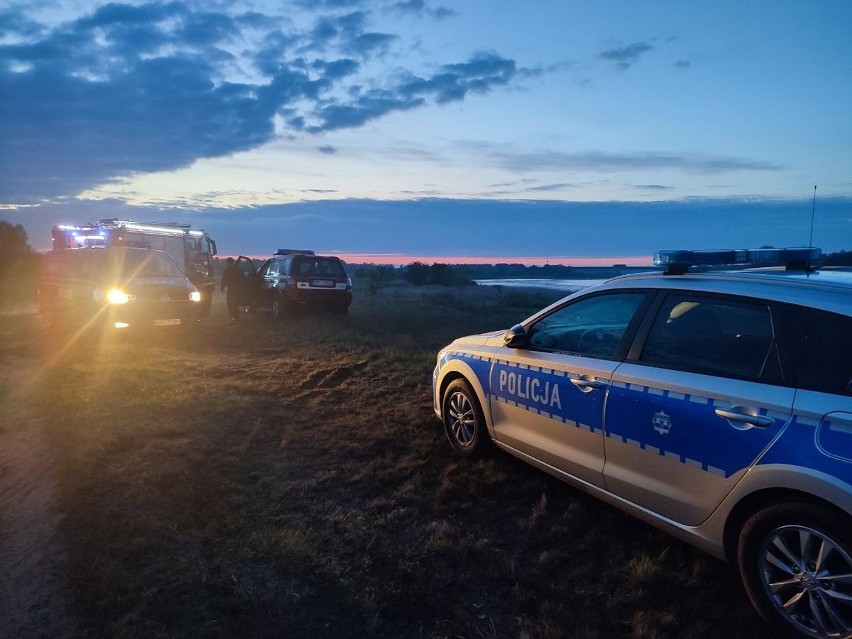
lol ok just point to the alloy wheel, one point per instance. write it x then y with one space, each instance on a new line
808 577
462 418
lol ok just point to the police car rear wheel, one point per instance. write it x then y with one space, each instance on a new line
796 560
464 422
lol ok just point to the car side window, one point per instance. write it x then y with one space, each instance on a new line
714 337
270 269
592 326
819 347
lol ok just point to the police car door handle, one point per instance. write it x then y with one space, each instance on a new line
761 421
587 384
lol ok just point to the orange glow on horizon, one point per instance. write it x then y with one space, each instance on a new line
397 259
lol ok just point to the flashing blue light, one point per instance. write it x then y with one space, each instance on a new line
285 251
677 262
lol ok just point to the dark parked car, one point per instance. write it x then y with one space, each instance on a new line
293 280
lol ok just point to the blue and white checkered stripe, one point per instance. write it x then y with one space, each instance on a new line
585 411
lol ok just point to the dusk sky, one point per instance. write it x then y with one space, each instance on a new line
434 130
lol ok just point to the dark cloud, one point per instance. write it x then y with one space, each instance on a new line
652 187
15 23
336 69
329 4
614 162
327 149
130 89
546 188
514 183
442 13
411 6
273 51
478 227
368 106
348 33
367 44
625 57
450 83
323 33
419 8
352 24
454 81
683 64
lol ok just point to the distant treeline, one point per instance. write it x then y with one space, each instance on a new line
841 258
417 273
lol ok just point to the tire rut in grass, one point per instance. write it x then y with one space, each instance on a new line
327 377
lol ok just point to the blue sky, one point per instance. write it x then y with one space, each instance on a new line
424 128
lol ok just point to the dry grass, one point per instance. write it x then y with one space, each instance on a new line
290 480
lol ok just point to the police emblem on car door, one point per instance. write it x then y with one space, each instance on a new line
696 408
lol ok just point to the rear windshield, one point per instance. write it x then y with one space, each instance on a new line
313 266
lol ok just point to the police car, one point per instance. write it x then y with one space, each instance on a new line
715 405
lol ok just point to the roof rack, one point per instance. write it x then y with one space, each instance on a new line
799 258
286 251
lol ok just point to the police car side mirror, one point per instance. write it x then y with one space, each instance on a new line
515 337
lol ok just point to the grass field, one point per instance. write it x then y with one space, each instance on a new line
291 480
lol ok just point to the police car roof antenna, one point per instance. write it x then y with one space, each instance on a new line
813 210
810 266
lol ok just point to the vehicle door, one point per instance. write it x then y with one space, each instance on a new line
698 400
268 275
253 295
547 393
817 345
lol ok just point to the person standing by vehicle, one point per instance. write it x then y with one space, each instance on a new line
233 285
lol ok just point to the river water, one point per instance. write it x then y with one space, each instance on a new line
568 286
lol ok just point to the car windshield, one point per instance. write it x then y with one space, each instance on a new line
129 263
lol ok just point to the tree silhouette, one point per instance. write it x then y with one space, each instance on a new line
18 262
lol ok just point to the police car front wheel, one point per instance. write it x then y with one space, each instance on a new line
796 563
464 422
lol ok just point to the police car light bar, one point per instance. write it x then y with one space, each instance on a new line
678 262
284 251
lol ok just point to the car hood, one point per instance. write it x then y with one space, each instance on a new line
494 338
148 286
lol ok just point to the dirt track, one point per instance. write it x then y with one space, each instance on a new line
32 601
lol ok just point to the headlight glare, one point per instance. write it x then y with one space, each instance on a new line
117 296
195 296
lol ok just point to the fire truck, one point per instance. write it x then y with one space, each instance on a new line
192 249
